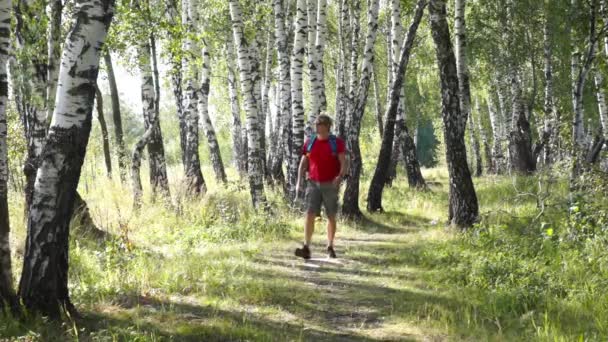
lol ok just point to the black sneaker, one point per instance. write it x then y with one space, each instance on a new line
330 252
303 252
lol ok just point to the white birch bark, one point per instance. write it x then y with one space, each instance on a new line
239 154
7 293
317 26
54 10
203 109
191 97
461 61
601 101
497 151
255 163
297 100
284 93
44 279
350 205
342 71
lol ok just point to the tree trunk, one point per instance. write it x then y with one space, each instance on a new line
497 152
284 105
374 195
547 158
317 26
31 98
44 280
7 292
117 118
176 60
192 97
484 139
355 26
203 109
463 206
350 205
521 156
341 79
378 105
255 153
104 132
396 41
156 150
601 102
55 7
297 101
475 147
239 151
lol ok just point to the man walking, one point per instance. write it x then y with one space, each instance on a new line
323 156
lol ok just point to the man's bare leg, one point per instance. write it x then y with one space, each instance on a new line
309 227
331 230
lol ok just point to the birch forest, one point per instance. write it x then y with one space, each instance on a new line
150 156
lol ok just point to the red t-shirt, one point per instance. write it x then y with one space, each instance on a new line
323 165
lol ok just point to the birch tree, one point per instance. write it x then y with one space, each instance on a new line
44 279
7 294
317 22
374 196
284 106
350 205
239 150
54 10
191 99
297 101
463 207
203 109
116 118
255 157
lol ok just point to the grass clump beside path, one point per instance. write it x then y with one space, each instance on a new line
217 271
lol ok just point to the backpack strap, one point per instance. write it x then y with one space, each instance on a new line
311 141
333 143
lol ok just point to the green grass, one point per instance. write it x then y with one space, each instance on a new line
216 270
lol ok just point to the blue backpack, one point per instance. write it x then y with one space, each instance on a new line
333 144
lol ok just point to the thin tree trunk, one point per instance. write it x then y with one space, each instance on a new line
30 99
484 139
7 292
176 60
104 132
284 106
44 280
239 150
255 155
463 206
156 150
317 27
475 147
297 101
117 118
548 105
601 102
55 8
203 109
190 113
344 42
497 152
378 105
374 196
350 205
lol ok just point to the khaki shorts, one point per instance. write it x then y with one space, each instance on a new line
322 193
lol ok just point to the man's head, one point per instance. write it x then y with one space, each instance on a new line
323 124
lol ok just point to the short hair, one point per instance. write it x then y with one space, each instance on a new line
324 119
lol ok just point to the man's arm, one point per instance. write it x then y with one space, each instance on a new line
343 165
302 168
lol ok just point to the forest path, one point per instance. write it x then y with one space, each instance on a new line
376 290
